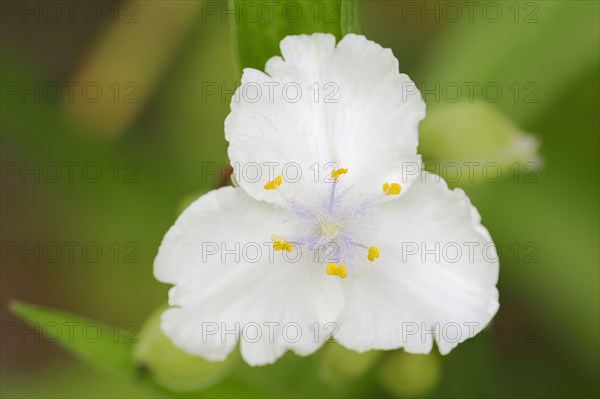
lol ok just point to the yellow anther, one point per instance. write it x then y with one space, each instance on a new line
279 245
336 270
373 254
331 269
391 189
273 184
338 172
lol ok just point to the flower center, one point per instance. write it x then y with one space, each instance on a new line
333 229
330 229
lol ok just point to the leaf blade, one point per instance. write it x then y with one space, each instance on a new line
350 17
95 343
257 39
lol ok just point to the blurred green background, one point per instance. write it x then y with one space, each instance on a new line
126 100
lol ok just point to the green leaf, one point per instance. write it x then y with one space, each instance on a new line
104 347
257 34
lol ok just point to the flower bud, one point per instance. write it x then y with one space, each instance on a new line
408 375
339 363
474 142
172 368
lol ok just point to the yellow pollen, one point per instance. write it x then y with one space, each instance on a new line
279 245
331 269
338 172
373 254
336 270
391 189
330 229
273 184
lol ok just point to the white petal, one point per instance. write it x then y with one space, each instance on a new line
217 296
393 304
365 117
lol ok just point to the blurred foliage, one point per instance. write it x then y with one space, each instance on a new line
546 230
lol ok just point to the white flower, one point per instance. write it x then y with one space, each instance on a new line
379 255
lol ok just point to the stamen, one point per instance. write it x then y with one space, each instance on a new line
336 175
338 172
391 189
332 196
280 245
336 270
373 254
273 184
